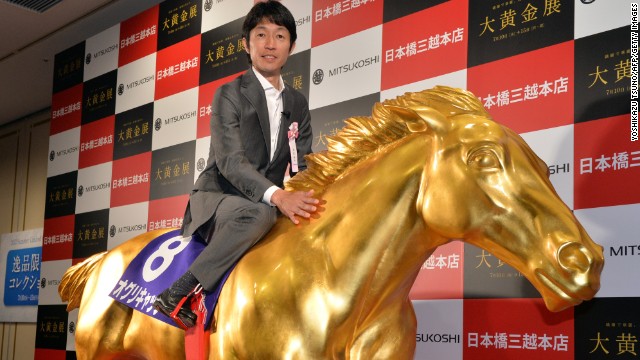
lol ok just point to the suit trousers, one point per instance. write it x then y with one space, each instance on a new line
236 225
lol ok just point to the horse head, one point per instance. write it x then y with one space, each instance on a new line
486 186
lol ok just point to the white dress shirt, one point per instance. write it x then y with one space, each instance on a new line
274 107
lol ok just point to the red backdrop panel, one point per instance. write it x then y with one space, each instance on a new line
607 163
520 329
425 44
528 92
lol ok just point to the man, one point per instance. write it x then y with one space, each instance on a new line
259 127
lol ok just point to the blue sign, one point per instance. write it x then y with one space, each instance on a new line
22 277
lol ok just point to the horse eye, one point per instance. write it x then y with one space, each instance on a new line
484 159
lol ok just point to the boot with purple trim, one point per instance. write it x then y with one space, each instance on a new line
173 302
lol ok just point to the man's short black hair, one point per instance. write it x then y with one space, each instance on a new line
274 12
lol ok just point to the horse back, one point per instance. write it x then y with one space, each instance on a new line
74 281
107 329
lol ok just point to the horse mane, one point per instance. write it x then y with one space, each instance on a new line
363 135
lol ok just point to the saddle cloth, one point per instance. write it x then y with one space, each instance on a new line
155 268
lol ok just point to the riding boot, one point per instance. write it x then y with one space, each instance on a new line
173 302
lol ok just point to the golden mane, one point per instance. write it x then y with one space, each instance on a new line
363 135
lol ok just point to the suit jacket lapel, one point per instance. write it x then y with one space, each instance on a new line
254 93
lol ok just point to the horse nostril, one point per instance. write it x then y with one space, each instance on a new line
572 256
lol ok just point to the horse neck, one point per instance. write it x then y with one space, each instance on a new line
373 234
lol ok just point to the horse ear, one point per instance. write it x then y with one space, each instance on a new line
421 118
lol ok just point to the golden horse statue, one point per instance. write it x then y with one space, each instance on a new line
425 169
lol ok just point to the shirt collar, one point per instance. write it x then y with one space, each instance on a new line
266 85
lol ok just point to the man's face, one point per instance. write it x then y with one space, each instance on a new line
268 47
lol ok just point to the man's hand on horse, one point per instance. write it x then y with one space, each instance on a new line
295 203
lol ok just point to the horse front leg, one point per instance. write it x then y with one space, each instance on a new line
389 334
151 339
122 333
101 337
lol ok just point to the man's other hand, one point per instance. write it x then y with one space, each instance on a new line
294 204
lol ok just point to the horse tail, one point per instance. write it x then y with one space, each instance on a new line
75 278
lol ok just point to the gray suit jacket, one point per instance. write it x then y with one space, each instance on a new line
238 161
